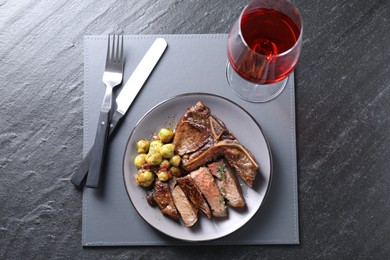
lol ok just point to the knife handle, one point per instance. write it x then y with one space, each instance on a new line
79 176
97 162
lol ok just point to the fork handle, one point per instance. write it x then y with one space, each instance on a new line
97 162
79 176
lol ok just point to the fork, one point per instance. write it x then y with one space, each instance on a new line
112 77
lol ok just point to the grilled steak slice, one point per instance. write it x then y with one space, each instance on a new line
242 161
162 196
236 155
227 183
149 198
194 124
211 154
193 193
201 138
198 130
188 213
205 182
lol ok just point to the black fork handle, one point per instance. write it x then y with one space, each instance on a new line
97 162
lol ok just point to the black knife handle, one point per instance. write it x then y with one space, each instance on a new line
116 117
79 176
97 162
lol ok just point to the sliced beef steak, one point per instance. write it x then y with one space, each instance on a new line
194 194
188 213
201 138
163 198
237 156
211 154
193 130
205 182
227 183
242 161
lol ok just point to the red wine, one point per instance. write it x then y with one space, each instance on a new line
267 33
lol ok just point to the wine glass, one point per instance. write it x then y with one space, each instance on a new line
263 48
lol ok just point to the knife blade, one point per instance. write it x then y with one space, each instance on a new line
124 101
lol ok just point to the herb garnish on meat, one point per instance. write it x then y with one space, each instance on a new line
221 170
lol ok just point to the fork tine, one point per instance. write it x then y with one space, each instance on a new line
122 53
108 50
117 49
113 49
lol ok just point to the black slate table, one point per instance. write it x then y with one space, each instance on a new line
343 123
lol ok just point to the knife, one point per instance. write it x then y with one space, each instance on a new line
124 101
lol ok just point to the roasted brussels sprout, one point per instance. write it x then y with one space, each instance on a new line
163 175
144 178
155 146
175 171
167 150
166 135
143 146
154 158
164 164
139 160
175 161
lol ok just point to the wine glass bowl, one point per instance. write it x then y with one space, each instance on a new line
263 49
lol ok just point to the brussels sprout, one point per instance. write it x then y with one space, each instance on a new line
154 158
175 171
175 160
144 178
167 150
143 146
155 146
164 164
139 160
163 175
166 135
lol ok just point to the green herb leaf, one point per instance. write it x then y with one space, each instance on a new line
221 170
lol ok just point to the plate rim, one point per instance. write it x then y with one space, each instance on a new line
187 95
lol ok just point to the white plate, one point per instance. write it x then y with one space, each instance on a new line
246 130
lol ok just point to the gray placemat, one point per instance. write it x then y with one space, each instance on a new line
192 63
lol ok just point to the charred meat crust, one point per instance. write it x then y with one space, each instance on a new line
149 198
200 137
163 198
194 123
242 161
194 194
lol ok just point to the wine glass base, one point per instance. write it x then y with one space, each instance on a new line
252 92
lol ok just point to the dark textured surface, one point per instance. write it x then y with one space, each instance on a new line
343 123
